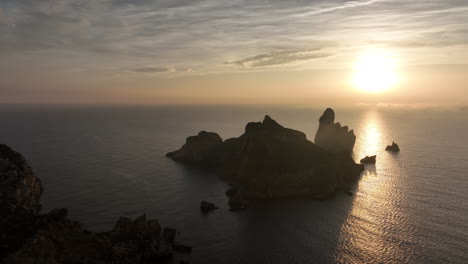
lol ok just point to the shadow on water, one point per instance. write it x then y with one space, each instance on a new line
370 169
296 230
291 230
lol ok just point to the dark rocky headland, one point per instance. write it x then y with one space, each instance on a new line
27 236
271 161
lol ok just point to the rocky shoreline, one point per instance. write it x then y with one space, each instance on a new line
271 161
28 236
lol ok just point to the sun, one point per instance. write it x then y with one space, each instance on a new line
375 71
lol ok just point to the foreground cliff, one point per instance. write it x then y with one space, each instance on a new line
26 236
270 161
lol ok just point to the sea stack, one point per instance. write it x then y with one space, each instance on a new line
332 136
393 148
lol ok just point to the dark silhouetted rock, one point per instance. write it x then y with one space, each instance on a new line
28 237
270 161
167 242
207 206
197 148
393 148
349 193
57 239
369 159
139 229
19 185
332 136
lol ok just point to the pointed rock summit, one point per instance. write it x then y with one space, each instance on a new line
332 136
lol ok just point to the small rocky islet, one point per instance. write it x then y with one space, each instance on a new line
270 161
206 207
369 159
393 147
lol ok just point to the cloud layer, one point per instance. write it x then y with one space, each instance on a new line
161 36
279 58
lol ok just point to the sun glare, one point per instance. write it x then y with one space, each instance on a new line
375 71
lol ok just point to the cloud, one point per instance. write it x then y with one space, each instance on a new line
159 70
153 70
279 58
202 34
334 7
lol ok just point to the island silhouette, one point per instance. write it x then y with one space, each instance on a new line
270 161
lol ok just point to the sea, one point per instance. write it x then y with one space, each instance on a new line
103 162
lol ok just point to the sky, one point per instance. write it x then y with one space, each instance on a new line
229 52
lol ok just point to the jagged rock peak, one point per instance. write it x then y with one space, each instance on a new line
328 117
332 136
271 123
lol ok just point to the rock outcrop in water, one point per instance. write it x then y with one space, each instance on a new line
369 159
393 148
332 136
206 207
270 161
26 236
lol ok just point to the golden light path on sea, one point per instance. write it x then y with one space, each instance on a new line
364 234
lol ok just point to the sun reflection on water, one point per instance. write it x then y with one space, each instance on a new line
364 235
369 138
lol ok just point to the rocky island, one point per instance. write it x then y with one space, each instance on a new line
27 236
271 161
369 159
393 148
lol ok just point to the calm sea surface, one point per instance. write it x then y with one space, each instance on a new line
105 162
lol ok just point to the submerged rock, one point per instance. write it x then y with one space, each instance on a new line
368 160
29 237
270 161
393 148
332 136
207 206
